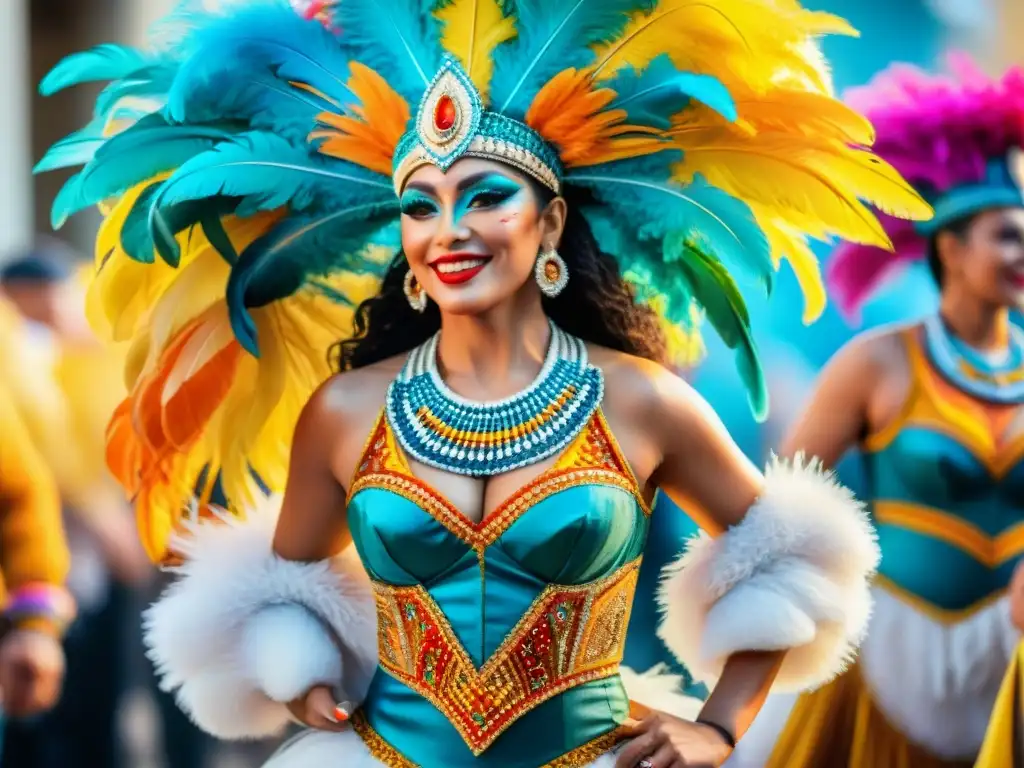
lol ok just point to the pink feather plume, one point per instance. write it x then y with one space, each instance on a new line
938 131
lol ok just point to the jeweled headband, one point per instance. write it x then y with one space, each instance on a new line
452 123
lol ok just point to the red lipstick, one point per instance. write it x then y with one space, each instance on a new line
458 268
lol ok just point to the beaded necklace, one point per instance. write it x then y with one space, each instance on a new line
441 429
994 380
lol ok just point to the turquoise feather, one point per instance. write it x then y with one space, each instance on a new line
149 147
149 82
718 222
65 202
147 231
716 291
300 248
104 62
262 101
136 240
75 149
395 38
267 42
163 224
654 95
552 36
267 172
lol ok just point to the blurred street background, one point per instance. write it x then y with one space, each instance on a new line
117 584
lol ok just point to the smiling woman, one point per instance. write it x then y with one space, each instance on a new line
937 409
571 184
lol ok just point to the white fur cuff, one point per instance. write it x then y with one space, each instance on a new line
793 575
243 630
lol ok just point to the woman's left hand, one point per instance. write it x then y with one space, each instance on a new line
663 741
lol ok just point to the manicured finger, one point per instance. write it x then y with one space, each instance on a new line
343 711
637 750
320 707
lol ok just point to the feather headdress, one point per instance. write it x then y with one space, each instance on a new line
247 169
956 138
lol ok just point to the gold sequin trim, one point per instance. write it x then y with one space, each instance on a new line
594 458
375 743
588 753
571 635
580 757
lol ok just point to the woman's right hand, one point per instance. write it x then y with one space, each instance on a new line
318 709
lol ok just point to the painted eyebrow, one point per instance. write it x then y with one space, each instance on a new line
461 187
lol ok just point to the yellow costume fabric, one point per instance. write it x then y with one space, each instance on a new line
32 545
839 726
1004 731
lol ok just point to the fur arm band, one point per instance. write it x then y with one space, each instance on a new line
243 631
793 575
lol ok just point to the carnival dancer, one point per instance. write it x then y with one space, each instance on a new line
561 178
935 408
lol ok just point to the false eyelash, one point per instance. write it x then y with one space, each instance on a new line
410 202
500 195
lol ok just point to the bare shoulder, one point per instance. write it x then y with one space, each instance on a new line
642 390
350 394
878 350
343 410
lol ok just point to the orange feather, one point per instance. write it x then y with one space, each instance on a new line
147 416
369 139
570 113
187 413
123 453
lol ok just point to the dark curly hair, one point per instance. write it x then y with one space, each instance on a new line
597 305
959 227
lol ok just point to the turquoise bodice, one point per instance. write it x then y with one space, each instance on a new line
499 641
947 493
670 529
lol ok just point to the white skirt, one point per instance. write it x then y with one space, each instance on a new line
935 682
655 689
346 750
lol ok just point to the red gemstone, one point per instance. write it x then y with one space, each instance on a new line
445 113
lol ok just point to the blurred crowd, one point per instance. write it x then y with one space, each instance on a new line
64 383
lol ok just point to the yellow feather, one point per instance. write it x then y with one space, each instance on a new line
472 30
789 244
811 114
815 188
136 359
260 413
752 41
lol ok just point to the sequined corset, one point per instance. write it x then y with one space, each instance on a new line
947 495
499 641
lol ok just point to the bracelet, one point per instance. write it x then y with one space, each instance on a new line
722 731
40 602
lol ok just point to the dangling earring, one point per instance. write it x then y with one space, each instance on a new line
414 293
551 273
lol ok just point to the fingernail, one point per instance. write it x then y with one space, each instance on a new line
341 712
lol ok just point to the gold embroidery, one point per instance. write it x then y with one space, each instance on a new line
594 458
375 743
580 757
586 754
570 635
